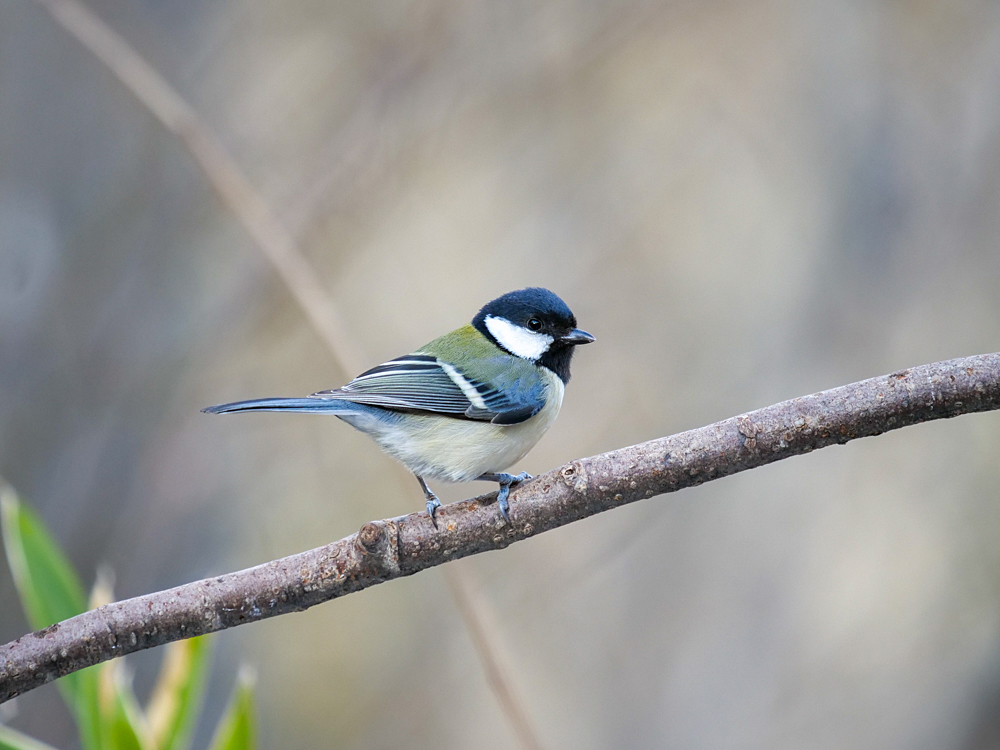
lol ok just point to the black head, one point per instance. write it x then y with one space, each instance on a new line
533 324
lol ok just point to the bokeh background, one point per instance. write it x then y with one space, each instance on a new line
743 201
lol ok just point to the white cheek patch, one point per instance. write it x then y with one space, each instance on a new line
517 340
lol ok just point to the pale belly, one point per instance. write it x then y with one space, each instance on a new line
459 450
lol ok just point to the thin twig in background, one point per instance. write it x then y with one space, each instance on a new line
222 172
280 248
484 637
391 548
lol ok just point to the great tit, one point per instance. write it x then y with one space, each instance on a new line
467 405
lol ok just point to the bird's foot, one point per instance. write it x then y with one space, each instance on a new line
503 504
432 505
505 481
432 500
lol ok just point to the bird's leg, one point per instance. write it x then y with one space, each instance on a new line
505 480
432 500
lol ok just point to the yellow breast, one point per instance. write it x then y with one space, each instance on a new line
459 450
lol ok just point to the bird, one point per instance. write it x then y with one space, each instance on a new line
468 405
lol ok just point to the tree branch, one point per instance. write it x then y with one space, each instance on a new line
396 547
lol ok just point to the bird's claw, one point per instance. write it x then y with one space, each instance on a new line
432 500
432 505
502 502
506 481
509 479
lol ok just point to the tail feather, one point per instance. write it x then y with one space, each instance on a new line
283 404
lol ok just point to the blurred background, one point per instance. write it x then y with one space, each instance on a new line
744 202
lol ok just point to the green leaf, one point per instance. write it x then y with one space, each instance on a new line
11 739
177 698
49 589
123 725
50 592
236 728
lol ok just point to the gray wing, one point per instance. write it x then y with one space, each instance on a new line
422 383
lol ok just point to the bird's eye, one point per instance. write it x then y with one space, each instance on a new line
535 324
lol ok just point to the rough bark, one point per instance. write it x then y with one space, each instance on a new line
391 548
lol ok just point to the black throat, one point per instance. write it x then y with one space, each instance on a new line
557 359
